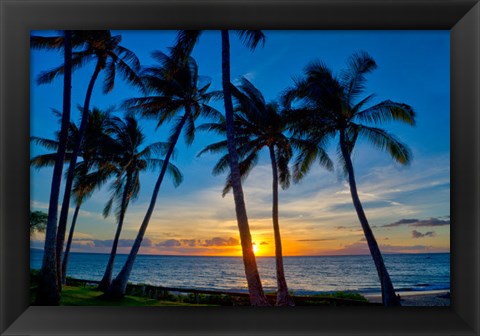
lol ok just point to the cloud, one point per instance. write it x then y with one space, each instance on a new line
359 248
401 222
419 223
263 243
416 234
169 243
189 242
353 228
217 241
88 242
315 240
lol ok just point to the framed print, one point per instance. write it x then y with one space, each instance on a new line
422 232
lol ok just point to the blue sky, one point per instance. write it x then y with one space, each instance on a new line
316 216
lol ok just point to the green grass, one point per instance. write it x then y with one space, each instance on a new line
78 296
85 296
345 295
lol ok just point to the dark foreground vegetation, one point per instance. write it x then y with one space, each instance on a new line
85 293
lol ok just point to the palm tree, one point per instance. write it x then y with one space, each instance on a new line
259 125
38 221
174 87
128 165
186 41
329 106
110 56
95 150
48 293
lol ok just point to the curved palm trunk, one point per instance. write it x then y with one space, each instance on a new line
119 285
69 243
62 223
257 296
48 293
107 277
389 297
283 298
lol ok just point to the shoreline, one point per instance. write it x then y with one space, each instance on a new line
431 298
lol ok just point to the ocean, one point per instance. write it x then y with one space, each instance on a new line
305 275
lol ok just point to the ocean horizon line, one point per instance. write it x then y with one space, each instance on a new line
239 256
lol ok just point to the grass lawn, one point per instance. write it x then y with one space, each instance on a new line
84 296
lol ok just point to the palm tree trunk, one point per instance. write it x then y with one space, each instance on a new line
62 223
119 285
107 277
389 297
283 298
69 243
257 296
48 293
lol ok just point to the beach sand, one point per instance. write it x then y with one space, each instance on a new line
418 299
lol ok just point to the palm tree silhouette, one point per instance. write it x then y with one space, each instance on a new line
186 40
259 125
48 292
95 149
110 56
126 167
174 86
327 107
96 152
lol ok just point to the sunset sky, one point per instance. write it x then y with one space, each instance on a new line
408 207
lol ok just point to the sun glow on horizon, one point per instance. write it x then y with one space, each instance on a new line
255 248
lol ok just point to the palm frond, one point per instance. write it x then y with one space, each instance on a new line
129 73
245 167
108 207
252 38
217 128
282 159
213 95
387 111
109 81
44 160
175 174
48 76
214 148
210 112
385 141
156 148
189 130
308 152
49 43
128 57
184 43
222 165
45 143
353 78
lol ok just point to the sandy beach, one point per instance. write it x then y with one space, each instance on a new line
418 299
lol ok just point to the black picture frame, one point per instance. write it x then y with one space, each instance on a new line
18 17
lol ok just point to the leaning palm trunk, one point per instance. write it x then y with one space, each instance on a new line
388 292
119 285
257 296
283 298
107 277
48 293
62 224
66 255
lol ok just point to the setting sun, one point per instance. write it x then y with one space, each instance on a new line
255 248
